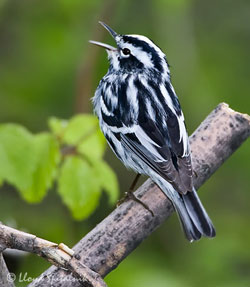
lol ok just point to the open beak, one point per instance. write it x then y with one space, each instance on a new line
103 45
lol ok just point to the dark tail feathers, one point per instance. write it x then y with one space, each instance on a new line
194 218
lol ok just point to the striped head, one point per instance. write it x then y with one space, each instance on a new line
134 54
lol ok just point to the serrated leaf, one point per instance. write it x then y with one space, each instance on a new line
27 161
78 187
108 180
16 155
47 154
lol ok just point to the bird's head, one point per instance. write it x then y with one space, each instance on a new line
134 53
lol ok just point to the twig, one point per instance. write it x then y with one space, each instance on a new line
102 249
59 255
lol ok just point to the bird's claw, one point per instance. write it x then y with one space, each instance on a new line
130 195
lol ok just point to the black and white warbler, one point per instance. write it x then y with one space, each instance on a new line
141 118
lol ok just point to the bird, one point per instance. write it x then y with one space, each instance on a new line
141 118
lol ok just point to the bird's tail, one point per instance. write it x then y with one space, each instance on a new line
193 216
198 214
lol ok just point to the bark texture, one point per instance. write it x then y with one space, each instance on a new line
59 255
102 249
6 278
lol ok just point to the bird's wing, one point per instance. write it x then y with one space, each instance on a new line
164 153
148 120
180 148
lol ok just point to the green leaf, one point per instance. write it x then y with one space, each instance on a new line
27 161
79 128
108 180
16 155
1 182
78 187
93 146
57 126
47 154
81 131
84 132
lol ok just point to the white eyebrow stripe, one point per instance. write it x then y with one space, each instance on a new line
148 41
138 53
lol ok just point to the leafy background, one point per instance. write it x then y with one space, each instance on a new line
49 71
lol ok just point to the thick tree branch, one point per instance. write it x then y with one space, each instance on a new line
59 255
102 249
5 276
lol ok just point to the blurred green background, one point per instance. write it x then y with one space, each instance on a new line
47 68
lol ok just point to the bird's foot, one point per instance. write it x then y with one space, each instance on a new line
130 195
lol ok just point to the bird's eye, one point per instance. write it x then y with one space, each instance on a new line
126 51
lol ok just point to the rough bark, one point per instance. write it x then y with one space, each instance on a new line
6 278
102 249
59 255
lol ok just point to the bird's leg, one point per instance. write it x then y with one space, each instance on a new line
130 195
132 187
